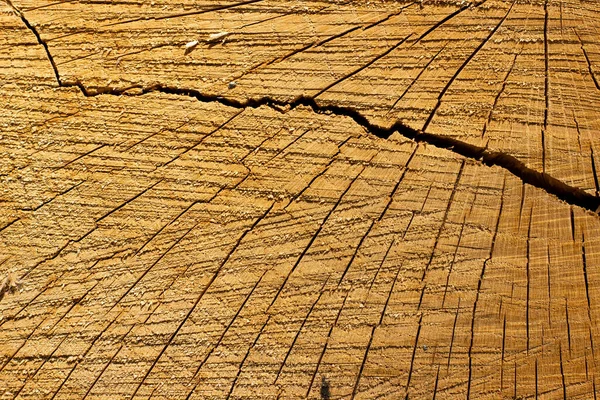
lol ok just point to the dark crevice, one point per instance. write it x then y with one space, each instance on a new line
443 21
542 180
187 14
464 65
546 86
38 37
567 193
587 59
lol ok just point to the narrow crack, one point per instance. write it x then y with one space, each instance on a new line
38 37
569 194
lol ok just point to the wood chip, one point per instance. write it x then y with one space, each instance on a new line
190 46
215 37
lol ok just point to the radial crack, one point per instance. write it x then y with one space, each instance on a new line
571 195
38 37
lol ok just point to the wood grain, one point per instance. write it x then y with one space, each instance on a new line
190 243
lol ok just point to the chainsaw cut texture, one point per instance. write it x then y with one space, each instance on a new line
518 77
166 247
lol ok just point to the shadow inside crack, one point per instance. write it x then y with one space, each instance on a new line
570 194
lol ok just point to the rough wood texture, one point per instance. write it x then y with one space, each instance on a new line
322 228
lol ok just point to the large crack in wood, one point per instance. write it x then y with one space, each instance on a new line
542 180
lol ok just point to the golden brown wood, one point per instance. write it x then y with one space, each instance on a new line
245 221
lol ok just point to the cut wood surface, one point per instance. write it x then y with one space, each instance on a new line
318 200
